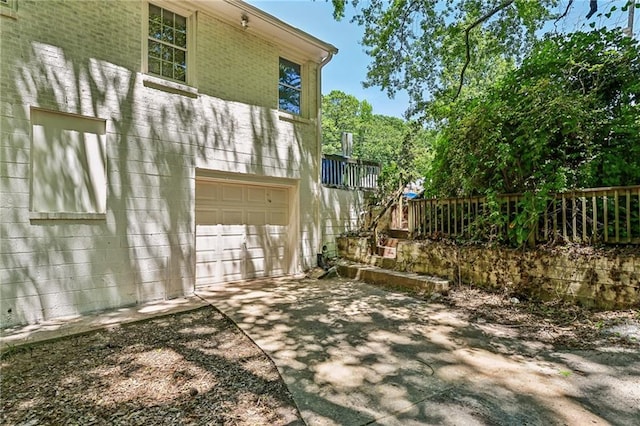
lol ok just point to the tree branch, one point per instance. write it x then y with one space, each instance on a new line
593 8
467 30
403 37
565 11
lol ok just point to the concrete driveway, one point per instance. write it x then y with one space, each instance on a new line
354 354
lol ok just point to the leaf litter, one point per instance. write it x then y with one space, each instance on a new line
190 368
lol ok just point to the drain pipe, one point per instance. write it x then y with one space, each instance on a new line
319 231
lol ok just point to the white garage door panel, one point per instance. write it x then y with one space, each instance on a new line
256 195
208 242
205 273
231 217
280 197
231 270
257 217
278 218
231 238
206 257
232 193
241 231
204 217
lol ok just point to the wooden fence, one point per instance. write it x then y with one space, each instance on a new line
347 173
609 215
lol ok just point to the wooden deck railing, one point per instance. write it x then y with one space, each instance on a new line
609 215
347 173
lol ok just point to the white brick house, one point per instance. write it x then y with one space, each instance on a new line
151 147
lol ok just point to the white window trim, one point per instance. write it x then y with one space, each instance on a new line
292 118
190 15
9 9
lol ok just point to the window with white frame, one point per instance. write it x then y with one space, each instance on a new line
289 87
167 44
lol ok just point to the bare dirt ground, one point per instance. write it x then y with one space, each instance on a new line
199 368
194 368
559 324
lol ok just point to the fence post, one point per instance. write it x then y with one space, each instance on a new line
411 218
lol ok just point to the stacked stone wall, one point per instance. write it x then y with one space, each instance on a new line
600 278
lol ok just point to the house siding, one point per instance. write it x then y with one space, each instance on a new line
233 64
85 58
343 211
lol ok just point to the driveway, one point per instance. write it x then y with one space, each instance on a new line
354 354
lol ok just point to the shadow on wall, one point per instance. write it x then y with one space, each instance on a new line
141 249
287 148
343 211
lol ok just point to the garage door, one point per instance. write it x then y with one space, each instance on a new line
241 231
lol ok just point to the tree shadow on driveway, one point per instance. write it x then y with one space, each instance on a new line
354 354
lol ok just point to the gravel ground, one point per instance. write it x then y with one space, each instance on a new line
194 368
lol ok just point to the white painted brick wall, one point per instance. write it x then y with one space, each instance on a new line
84 57
341 213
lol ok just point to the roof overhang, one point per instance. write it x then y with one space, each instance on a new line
269 27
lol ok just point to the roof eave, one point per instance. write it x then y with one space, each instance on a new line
270 27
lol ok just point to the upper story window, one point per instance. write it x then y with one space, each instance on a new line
167 44
289 87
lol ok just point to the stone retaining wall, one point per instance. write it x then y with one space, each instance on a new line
600 278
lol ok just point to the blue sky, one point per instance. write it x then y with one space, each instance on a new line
348 69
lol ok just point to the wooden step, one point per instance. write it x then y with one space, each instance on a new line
402 234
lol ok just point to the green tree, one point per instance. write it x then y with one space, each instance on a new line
401 147
433 49
342 113
568 117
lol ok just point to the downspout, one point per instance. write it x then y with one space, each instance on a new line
319 231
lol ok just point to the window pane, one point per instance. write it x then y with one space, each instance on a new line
179 73
181 23
290 73
181 39
155 22
180 57
155 49
167 34
154 11
289 100
154 66
290 86
167 69
167 53
167 18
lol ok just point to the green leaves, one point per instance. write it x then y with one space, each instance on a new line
419 46
402 148
566 118
342 113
